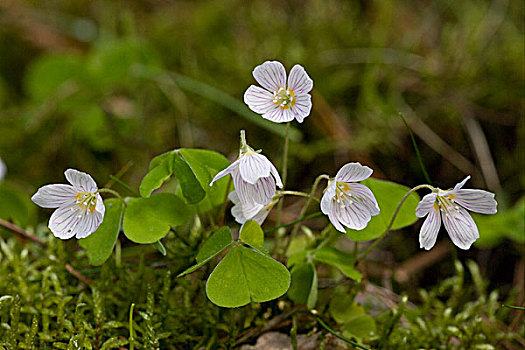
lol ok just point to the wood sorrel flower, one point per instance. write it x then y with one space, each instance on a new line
244 212
254 178
348 203
80 206
458 222
3 169
278 101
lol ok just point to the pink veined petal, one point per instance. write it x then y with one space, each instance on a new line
253 167
478 201
261 215
279 115
460 226
458 186
243 189
271 75
326 201
237 214
232 168
332 216
365 195
259 100
302 107
299 81
100 208
425 204
263 190
249 210
54 196
88 224
353 214
64 220
429 229
275 173
81 180
353 172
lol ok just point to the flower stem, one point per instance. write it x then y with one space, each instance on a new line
307 204
110 191
284 175
123 184
389 227
297 193
244 145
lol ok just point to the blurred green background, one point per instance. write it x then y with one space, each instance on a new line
103 86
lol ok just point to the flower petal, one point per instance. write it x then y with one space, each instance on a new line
81 180
302 107
352 214
229 170
275 173
334 220
299 81
460 226
234 197
279 115
54 196
3 169
353 172
426 204
365 196
271 75
254 166
429 229
478 201
264 190
326 201
100 208
88 224
64 220
259 100
458 186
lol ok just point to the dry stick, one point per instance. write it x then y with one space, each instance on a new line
14 228
78 275
377 241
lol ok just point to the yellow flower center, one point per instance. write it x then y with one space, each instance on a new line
284 98
87 200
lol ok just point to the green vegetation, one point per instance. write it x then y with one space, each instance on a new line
146 96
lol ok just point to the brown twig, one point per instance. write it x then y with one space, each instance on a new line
78 275
18 230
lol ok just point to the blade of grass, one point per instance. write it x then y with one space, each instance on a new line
418 155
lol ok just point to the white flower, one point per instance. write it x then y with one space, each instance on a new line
458 222
254 178
348 203
80 206
278 101
3 169
244 212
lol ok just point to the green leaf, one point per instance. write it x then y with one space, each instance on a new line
217 242
360 327
388 195
47 73
156 176
356 323
205 165
15 205
252 234
147 220
163 167
245 275
509 223
341 260
160 247
100 243
303 289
